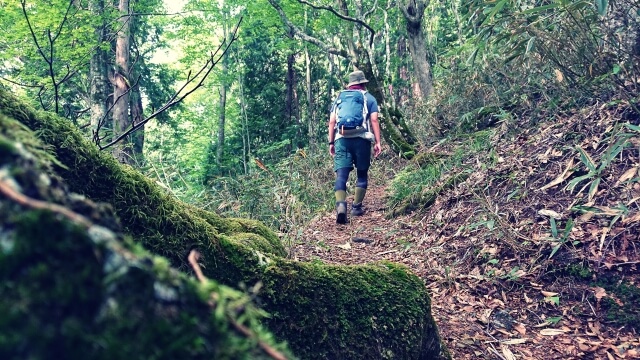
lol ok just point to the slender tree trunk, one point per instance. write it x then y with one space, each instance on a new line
311 118
289 99
413 11
387 72
221 118
419 55
137 115
121 121
246 144
135 98
98 73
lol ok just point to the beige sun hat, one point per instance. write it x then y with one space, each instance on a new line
357 77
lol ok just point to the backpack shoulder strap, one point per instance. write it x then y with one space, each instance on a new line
365 110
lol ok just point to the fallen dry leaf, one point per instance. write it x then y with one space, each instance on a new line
508 355
514 341
629 174
552 332
599 292
550 213
520 329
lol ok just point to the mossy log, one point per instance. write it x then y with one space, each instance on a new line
379 311
72 287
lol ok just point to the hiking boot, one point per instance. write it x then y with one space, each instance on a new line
341 212
357 210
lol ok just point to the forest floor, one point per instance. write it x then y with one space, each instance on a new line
499 290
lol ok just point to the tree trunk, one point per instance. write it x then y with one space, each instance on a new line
289 101
221 119
121 122
311 120
387 68
137 115
413 12
392 125
246 144
98 73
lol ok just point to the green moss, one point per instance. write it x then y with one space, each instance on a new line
322 311
334 318
623 311
620 307
579 271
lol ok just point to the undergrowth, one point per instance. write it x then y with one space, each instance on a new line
284 196
411 183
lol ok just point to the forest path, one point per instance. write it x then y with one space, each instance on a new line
367 238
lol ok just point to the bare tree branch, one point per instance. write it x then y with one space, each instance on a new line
303 36
341 16
204 72
49 60
103 120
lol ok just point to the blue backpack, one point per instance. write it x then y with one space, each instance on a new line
351 109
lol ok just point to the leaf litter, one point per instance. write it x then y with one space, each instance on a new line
494 250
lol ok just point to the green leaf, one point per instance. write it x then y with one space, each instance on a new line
616 69
554 320
573 183
567 229
631 126
586 159
494 11
593 189
490 224
613 151
530 44
472 58
602 6
554 228
555 249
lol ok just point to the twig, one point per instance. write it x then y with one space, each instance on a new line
386 252
193 257
24 200
622 263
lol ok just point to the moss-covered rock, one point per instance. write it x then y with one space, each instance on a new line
71 288
323 312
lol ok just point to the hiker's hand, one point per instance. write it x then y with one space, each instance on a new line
332 150
377 149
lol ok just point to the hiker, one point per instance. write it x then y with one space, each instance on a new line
353 126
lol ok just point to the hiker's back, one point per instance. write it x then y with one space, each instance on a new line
351 109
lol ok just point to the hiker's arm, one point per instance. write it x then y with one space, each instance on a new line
375 126
332 133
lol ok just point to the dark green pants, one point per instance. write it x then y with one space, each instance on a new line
352 152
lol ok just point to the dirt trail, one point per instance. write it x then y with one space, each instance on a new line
366 238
